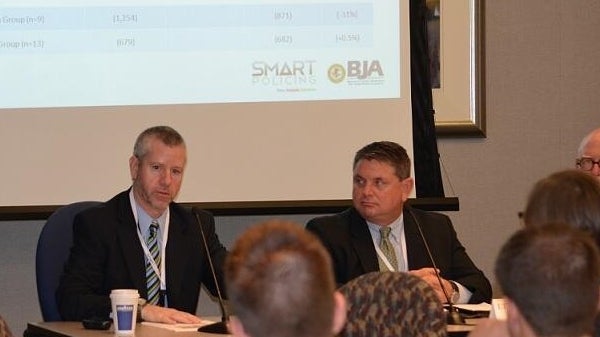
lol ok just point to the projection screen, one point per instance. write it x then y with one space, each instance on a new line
273 97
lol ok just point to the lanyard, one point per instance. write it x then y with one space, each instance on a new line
373 228
384 259
163 244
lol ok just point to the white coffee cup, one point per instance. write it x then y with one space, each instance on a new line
124 310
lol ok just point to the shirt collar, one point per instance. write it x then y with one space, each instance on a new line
143 219
397 227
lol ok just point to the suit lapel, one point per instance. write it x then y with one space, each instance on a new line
176 254
362 242
129 242
415 250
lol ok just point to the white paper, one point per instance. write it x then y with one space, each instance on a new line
179 327
474 307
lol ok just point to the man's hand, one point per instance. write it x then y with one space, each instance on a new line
429 275
154 313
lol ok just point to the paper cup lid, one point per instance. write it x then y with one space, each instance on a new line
126 292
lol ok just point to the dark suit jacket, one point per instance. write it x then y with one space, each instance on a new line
107 254
347 237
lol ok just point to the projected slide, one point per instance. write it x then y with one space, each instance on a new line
99 53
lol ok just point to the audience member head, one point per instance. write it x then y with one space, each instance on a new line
156 168
550 276
570 197
381 181
280 283
588 154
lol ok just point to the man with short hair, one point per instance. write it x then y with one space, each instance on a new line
381 232
588 154
280 284
141 239
550 276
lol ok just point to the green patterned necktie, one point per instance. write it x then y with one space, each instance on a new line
386 247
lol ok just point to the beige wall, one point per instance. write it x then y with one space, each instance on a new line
542 95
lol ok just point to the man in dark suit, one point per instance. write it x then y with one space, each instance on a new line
112 247
381 232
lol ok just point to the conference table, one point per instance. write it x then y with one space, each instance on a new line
462 330
76 329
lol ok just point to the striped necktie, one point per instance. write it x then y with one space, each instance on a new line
152 281
386 247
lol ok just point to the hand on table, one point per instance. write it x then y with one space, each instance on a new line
154 313
429 275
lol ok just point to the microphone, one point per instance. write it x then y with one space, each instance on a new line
453 317
218 327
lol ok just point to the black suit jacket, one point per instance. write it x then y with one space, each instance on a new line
107 254
347 238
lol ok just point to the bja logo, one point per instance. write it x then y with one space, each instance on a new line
364 69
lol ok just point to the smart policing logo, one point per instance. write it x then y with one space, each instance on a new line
291 76
365 72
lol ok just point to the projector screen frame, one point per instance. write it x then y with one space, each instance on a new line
446 204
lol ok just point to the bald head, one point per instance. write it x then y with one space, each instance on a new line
588 154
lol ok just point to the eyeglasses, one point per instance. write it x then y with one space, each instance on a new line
586 164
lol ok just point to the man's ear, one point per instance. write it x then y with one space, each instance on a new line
133 167
515 322
339 312
236 327
407 186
